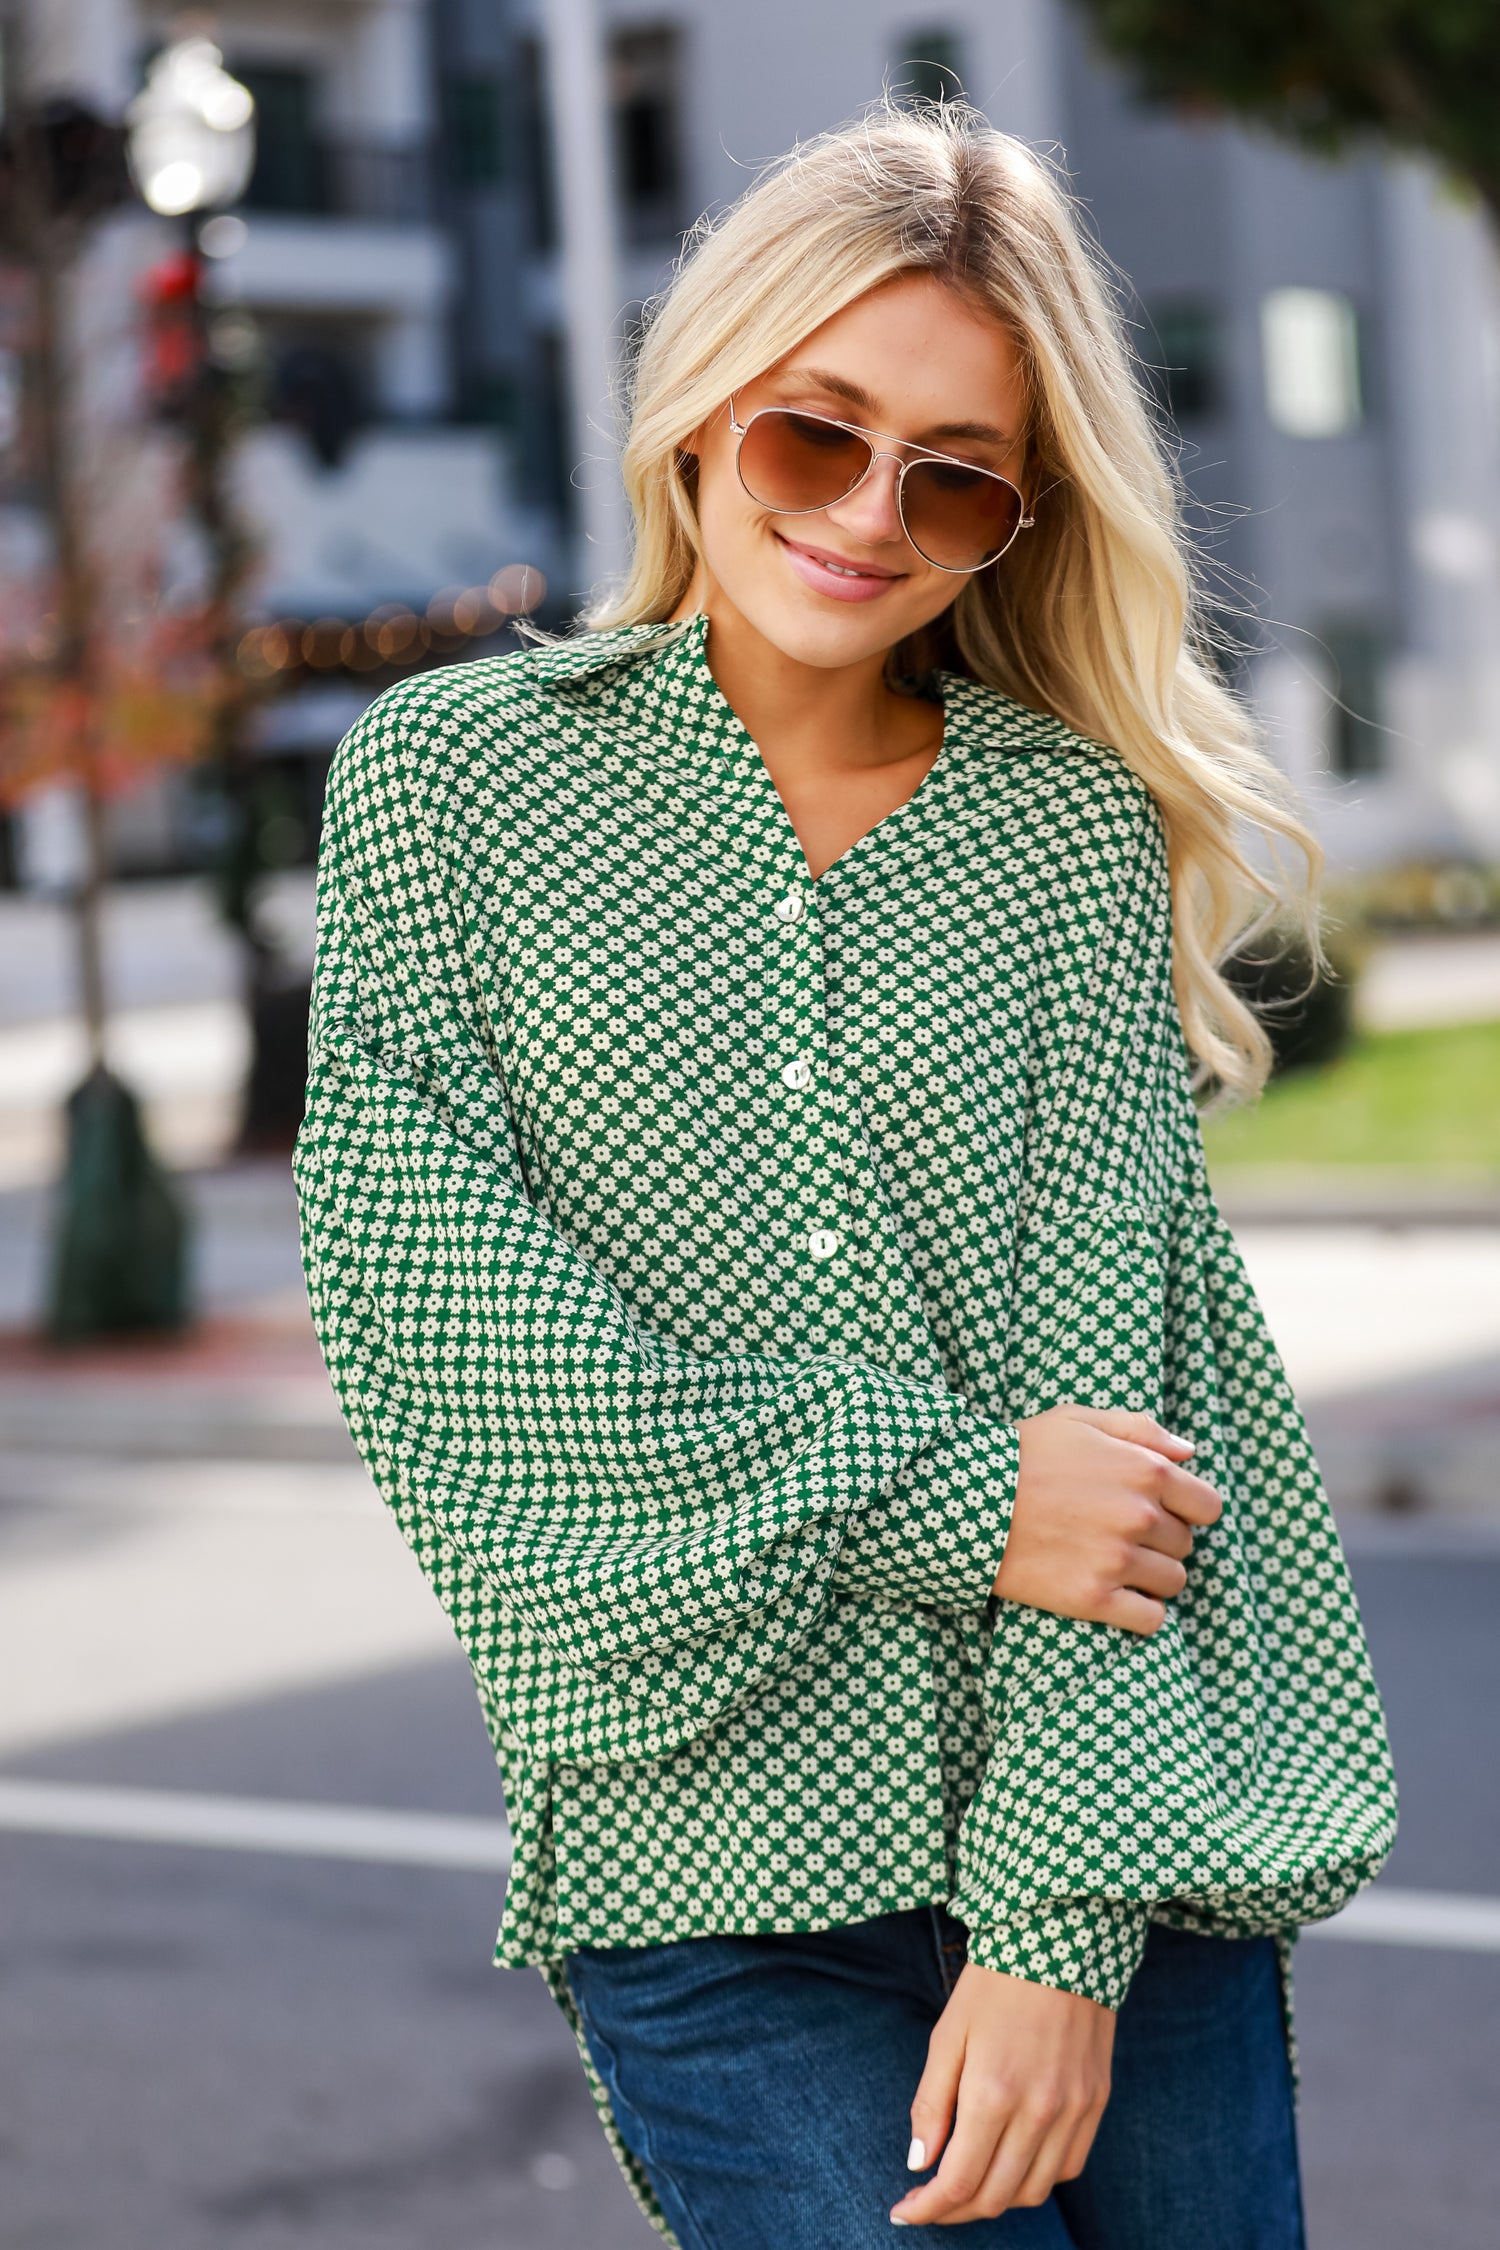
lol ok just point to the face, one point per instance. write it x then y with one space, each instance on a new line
914 361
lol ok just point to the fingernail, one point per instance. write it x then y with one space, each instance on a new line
899 2222
916 2157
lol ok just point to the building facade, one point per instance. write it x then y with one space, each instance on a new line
368 483
1326 336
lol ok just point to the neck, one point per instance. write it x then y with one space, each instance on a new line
808 716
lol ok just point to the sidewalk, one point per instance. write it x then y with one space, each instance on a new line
1390 1334
177 1034
1431 977
177 1030
187 1525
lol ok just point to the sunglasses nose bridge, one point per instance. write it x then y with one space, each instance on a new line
862 487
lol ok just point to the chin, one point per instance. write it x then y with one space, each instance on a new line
813 632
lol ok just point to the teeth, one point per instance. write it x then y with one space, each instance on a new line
844 571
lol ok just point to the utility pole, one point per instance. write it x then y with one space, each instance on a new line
53 247
582 144
119 1237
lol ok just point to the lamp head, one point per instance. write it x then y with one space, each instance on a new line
191 131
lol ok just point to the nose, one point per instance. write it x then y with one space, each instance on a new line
871 512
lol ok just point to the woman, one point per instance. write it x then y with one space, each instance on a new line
755 1218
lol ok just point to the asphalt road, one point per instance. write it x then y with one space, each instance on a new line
205 2050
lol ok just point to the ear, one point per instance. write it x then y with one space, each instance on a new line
691 448
693 444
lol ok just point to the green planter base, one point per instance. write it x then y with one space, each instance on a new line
120 1246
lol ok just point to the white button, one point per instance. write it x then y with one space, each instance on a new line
796 1074
822 1243
791 908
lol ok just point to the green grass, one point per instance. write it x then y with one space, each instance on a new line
1418 1101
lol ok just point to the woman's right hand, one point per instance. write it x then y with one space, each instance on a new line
1103 1517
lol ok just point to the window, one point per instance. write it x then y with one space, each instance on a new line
1354 661
290 172
475 132
535 166
319 368
1310 351
645 69
929 67
542 463
1181 351
492 396
10 399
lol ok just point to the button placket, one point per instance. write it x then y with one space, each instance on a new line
875 1241
808 1070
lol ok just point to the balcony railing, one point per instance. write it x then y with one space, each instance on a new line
340 179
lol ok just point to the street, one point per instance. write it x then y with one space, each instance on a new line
242 2048
248 2037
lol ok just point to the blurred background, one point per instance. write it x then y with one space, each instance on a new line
307 317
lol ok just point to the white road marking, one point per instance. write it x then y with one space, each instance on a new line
1448 1920
1380 1916
255 1824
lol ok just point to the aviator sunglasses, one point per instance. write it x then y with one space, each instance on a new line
958 518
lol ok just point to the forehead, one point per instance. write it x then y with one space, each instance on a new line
914 347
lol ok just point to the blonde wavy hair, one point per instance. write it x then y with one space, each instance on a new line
1098 615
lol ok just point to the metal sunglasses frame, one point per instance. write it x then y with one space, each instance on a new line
1024 522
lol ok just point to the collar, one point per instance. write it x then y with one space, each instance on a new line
656 678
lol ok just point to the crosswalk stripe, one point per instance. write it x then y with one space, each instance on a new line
1383 1915
254 1824
1449 1920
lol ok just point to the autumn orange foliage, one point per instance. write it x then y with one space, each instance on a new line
146 700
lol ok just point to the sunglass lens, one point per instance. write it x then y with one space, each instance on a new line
959 518
797 463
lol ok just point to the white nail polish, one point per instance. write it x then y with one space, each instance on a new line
916 2157
895 2222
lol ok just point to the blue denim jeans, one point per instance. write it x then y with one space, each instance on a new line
764 2083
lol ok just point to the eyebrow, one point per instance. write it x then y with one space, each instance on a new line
853 394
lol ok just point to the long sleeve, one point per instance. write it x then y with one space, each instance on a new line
1231 1771
939 1537
658 1526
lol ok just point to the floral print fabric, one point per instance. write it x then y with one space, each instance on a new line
685 1238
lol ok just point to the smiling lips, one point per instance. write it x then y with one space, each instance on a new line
831 574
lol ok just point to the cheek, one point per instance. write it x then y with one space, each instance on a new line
929 595
727 517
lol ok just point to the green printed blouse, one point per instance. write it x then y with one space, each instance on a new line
685 1238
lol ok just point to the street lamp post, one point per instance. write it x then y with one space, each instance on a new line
192 151
120 1249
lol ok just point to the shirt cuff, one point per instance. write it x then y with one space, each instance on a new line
1091 1946
940 1532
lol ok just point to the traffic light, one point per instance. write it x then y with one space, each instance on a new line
58 163
175 335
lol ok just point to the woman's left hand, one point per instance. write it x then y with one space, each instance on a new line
1016 2082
